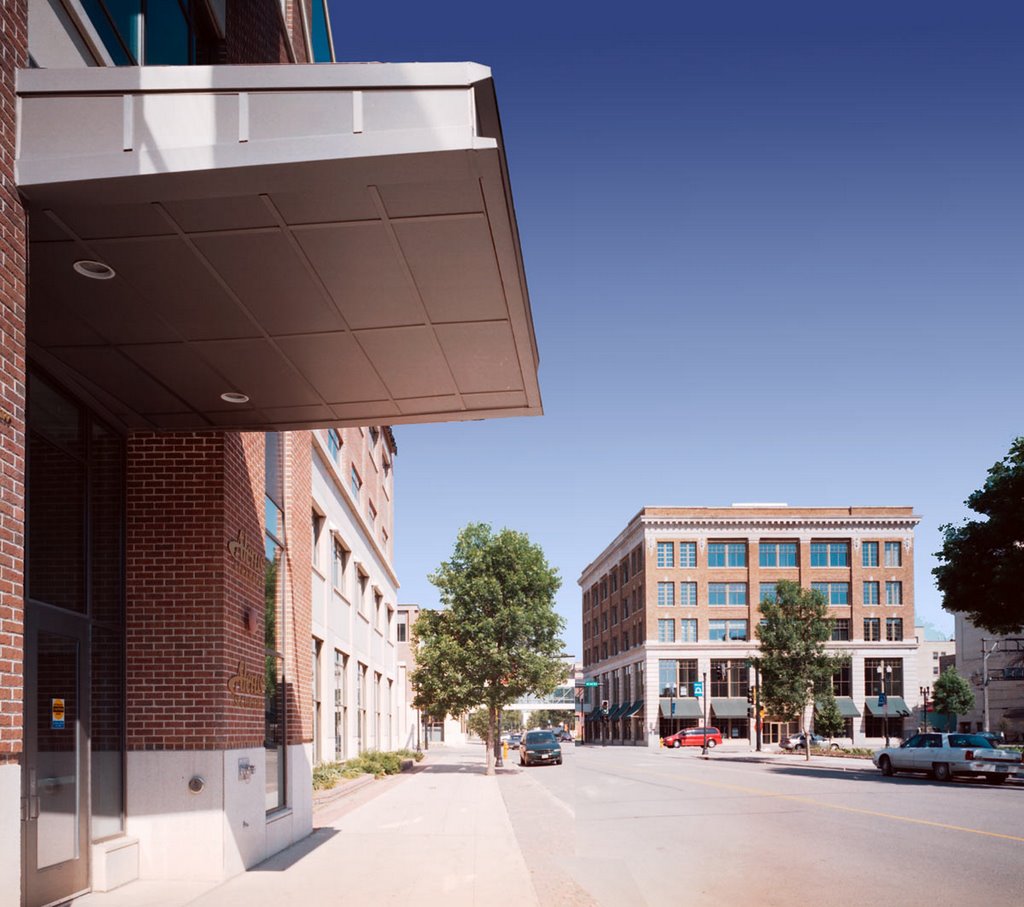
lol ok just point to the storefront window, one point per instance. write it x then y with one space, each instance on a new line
275 685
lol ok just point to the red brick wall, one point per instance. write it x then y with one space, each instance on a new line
258 33
13 54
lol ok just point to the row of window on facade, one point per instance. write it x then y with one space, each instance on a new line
686 630
334 448
348 575
778 554
727 594
373 702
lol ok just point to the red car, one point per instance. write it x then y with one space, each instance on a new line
694 736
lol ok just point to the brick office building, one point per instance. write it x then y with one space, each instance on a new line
674 600
201 264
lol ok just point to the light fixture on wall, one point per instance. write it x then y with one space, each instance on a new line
95 270
234 397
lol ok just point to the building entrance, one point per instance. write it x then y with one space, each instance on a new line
55 782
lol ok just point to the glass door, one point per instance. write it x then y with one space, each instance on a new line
55 781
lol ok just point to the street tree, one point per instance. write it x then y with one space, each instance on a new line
952 695
828 720
981 569
498 637
793 659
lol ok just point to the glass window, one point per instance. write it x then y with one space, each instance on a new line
894 593
666 595
727 554
274 680
355 483
716 554
334 443
835 593
841 629
767 592
666 630
737 629
870 593
872 629
688 630
842 680
688 593
371 513
716 630
777 554
668 684
338 564
830 554
168 37
894 629
687 554
318 525
666 554
893 554
402 627
869 554
892 668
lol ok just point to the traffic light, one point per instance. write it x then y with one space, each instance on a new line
752 695
721 670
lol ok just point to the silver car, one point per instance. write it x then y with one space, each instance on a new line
944 755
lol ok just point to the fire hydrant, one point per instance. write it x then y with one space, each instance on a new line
504 750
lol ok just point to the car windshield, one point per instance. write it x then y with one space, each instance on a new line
975 740
540 737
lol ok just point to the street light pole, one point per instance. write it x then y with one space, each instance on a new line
704 749
883 670
924 709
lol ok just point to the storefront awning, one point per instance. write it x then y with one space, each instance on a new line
335 243
616 711
633 709
847 707
896 707
684 708
729 708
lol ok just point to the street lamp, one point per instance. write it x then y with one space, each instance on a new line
883 670
925 691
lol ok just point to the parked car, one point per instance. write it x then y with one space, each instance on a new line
514 740
564 736
995 738
798 742
693 736
945 755
540 746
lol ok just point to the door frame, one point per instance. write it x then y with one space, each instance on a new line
62 880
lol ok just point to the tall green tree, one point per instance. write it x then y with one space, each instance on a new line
793 658
828 720
952 695
498 637
981 569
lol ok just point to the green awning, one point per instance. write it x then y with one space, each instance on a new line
685 708
896 708
847 707
616 711
633 709
729 708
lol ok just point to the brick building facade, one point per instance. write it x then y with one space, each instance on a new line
673 601
231 268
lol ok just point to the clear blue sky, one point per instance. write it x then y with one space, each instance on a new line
775 253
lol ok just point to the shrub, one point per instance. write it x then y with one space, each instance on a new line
326 775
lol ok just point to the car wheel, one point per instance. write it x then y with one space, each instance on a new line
833 747
712 744
996 779
885 764
676 744
941 771
558 762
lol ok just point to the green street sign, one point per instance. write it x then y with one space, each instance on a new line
591 683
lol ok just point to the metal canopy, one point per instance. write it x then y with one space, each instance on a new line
336 242
729 708
895 708
685 708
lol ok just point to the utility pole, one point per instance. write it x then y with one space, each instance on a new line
985 652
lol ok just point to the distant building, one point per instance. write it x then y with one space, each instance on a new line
930 653
672 602
1002 673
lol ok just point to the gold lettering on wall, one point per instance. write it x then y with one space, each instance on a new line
247 554
246 689
5 417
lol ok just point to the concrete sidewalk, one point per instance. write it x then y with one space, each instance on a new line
437 835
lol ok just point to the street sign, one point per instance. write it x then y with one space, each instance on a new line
682 690
698 688
881 700
673 706
591 683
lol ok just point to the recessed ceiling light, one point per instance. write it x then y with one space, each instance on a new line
97 270
234 397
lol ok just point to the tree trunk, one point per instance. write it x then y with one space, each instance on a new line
492 723
808 713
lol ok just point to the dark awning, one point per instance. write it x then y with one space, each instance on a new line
847 707
633 709
684 708
729 708
896 707
613 711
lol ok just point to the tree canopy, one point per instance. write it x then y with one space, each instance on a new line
498 637
952 695
828 720
981 569
793 658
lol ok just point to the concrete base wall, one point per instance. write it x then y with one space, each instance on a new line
10 834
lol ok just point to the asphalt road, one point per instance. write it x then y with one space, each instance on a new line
616 826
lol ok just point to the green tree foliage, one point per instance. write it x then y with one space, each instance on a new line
478 720
828 720
498 637
952 695
793 658
981 569
550 718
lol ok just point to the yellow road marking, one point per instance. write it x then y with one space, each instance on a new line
794 798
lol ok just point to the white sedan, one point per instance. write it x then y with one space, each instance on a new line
945 755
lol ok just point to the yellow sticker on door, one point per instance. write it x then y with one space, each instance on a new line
57 714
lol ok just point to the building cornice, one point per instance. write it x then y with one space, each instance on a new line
805 524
